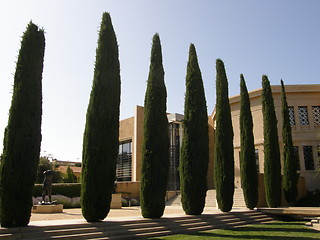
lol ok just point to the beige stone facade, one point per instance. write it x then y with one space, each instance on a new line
304 104
130 151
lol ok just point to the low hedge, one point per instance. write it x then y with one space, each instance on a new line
312 200
66 189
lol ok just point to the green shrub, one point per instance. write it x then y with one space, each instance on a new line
66 189
22 136
155 147
67 202
312 200
223 145
195 146
100 138
124 202
272 166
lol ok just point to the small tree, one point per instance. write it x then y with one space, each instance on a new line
272 167
223 154
290 175
100 141
21 147
155 149
248 167
70 177
195 144
44 165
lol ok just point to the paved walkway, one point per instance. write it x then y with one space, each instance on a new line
74 215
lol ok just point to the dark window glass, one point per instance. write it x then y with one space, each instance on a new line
124 162
291 116
296 156
316 115
174 177
303 115
256 151
308 157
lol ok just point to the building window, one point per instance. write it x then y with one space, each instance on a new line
291 116
303 115
174 177
316 115
296 156
256 152
318 150
308 157
124 162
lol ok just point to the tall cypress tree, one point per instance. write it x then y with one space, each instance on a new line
248 167
155 149
22 139
223 154
272 167
195 144
290 175
100 141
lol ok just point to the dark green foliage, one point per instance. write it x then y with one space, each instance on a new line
44 164
65 189
78 164
70 177
195 144
100 141
155 149
272 167
23 133
248 167
311 200
290 175
223 154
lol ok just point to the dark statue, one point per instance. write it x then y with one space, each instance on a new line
47 186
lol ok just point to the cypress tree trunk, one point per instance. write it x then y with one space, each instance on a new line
100 142
223 155
195 143
248 167
155 150
290 175
272 167
22 139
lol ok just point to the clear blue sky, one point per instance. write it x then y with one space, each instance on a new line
277 38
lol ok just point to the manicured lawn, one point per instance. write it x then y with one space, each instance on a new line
274 231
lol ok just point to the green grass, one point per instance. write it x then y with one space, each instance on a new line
273 231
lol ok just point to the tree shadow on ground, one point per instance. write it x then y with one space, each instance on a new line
260 232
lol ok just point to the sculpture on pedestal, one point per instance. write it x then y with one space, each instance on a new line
47 186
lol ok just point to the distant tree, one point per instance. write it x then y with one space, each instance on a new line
44 165
290 175
223 158
272 167
23 133
155 150
100 141
78 164
70 177
195 144
248 167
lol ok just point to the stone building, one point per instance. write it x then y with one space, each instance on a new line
304 110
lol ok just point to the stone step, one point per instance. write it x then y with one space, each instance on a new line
238 199
142 228
315 223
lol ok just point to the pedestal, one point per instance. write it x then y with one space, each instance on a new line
116 201
47 208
